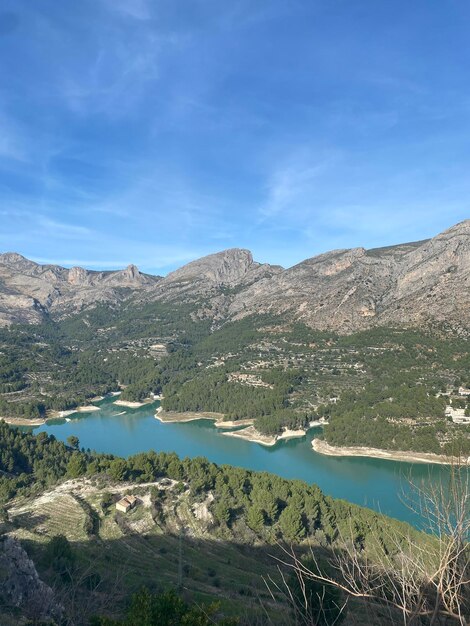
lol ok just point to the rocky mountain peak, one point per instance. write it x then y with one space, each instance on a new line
331 263
17 261
462 228
11 257
131 272
78 276
228 267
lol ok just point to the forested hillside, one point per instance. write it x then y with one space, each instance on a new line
385 388
80 543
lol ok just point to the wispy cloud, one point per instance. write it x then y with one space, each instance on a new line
152 259
41 226
116 80
62 229
138 9
13 145
148 133
291 185
86 263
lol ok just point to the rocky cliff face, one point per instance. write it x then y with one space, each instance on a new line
434 282
349 290
343 290
22 589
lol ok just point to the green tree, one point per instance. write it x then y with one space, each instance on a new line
291 524
77 465
118 470
73 441
107 500
267 502
222 512
255 519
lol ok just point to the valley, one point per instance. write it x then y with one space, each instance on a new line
241 424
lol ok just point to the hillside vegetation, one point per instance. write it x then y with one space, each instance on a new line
237 519
383 388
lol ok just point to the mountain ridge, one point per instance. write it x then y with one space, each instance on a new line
345 290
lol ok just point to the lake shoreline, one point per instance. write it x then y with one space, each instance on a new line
133 405
173 417
322 447
24 421
366 482
246 429
251 434
53 415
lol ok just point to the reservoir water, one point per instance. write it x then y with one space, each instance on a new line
375 483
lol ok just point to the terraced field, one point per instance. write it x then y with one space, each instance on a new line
125 552
50 515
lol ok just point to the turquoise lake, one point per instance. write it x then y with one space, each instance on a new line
375 483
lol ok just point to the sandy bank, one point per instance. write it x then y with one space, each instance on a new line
246 427
89 408
321 422
53 415
23 421
218 418
39 421
291 434
393 455
169 417
132 405
251 434
59 414
233 423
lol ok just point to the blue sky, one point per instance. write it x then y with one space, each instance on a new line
157 131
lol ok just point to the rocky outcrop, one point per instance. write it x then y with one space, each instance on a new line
21 588
78 276
434 283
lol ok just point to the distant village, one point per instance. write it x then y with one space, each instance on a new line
457 410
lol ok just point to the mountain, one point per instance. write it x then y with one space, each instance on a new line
349 290
29 292
344 290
